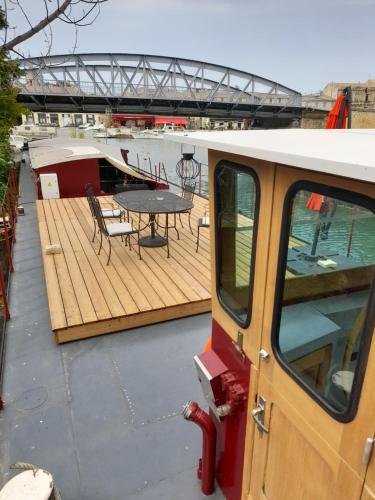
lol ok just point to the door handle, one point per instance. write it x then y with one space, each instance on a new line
367 450
258 415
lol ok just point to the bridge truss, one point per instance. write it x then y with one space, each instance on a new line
131 83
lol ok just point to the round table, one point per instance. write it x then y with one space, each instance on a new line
153 203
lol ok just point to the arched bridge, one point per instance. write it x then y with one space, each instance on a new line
133 83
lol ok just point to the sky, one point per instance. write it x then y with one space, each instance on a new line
299 43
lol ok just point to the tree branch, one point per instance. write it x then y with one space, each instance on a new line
38 27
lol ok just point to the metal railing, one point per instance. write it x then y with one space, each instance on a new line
158 173
8 221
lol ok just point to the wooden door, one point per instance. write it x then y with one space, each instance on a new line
317 328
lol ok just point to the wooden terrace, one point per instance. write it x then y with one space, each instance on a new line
87 298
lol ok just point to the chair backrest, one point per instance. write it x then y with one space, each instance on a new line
188 190
99 216
90 197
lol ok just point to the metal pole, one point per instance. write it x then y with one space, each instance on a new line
354 213
4 295
7 243
11 221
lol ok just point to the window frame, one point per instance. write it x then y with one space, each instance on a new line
369 321
237 167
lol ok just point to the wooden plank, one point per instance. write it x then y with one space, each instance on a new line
70 277
146 272
129 292
82 246
55 301
114 277
132 321
40 211
144 298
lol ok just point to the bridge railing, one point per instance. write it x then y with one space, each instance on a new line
100 89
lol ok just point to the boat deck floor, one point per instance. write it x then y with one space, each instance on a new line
101 414
87 297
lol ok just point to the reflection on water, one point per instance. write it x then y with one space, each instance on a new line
351 229
164 151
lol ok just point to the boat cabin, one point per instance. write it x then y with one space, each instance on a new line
62 168
290 376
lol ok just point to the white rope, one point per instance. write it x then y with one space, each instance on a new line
34 468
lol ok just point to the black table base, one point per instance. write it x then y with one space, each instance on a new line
156 241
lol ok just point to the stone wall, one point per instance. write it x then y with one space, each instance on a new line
360 119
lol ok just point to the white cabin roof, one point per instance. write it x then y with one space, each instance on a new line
47 152
347 153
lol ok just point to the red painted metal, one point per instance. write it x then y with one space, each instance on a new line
12 188
73 176
10 215
7 242
154 183
125 155
231 430
4 295
206 466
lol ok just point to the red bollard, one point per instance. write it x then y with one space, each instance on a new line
206 467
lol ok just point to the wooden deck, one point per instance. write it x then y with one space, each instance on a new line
87 298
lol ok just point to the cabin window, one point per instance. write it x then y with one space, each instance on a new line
322 327
236 208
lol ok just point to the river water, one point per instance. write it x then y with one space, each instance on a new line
144 151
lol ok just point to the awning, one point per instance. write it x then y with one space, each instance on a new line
160 120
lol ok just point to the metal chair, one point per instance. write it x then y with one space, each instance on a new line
115 229
188 194
107 213
202 222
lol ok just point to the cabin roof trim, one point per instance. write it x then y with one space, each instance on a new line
346 153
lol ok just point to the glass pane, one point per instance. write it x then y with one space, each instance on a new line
328 276
236 200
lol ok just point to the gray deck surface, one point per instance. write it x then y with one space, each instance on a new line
103 414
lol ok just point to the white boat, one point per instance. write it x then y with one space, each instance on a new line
18 142
157 133
33 132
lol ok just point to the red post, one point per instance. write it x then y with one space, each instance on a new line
7 242
10 215
4 295
13 193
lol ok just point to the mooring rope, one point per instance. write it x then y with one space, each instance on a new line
34 468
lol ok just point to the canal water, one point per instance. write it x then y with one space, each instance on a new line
142 152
